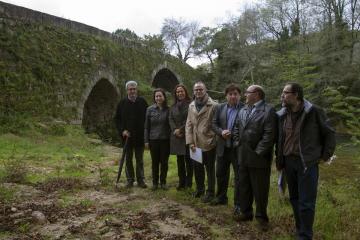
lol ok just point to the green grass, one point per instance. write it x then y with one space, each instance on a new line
73 155
6 195
54 155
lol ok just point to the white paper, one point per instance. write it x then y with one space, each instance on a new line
331 159
197 155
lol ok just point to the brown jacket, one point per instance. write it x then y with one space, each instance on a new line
198 126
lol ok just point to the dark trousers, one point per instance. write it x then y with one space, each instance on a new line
159 151
302 191
223 175
254 184
208 158
185 169
129 169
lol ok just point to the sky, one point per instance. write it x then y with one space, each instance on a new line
140 16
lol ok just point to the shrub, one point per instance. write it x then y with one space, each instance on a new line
15 170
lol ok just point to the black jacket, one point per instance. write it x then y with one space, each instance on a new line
256 136
219 123
317 137
131 116
156 123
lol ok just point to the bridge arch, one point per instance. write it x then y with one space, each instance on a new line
164 77
98 105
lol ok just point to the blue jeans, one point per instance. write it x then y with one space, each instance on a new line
302 190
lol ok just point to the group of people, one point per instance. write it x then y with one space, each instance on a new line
230 133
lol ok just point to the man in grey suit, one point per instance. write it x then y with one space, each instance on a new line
222 125
254 134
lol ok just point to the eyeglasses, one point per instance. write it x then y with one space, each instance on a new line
198 90
247 92
287 92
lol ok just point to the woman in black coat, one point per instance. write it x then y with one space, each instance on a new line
177 120
157 134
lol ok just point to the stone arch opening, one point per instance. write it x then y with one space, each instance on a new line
99 109
165 79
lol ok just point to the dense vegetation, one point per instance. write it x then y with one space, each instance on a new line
315 43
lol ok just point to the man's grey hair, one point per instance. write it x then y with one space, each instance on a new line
132 83
200 83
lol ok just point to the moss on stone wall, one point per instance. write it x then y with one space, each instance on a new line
44 70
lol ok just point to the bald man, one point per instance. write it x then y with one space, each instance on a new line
254 134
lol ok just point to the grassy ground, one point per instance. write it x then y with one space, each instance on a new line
69 177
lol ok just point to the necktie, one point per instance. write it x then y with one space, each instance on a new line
248 113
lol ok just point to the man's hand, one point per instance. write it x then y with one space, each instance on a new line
126 133
226 134
192 147
147 145
178 133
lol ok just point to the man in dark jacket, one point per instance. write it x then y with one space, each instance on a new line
223 126
305 137
254 133
130 119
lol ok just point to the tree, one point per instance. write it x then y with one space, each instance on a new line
127 34
275 18
354 15
179 36
156 42
204 44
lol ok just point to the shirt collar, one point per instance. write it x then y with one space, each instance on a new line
235 106
258 103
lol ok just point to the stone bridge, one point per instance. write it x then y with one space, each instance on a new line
60 69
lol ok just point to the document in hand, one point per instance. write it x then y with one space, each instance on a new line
282 183
197 155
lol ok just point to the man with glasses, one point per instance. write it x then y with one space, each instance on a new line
129 120
305 137
254 134
199 134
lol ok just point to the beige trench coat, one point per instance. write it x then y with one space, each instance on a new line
198 129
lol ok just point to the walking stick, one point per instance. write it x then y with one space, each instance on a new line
122 160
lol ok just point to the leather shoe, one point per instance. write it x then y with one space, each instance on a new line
129 185
240 217
262 224
142 185
207 198
197 194
218 201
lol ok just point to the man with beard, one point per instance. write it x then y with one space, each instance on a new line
305 138
198 134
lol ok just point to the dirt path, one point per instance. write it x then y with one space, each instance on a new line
67 208
97 214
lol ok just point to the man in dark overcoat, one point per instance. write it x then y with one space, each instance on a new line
129 120
254 134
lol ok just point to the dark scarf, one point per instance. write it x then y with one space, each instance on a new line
200 103
181 104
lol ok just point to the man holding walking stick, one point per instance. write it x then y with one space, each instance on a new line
130 118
